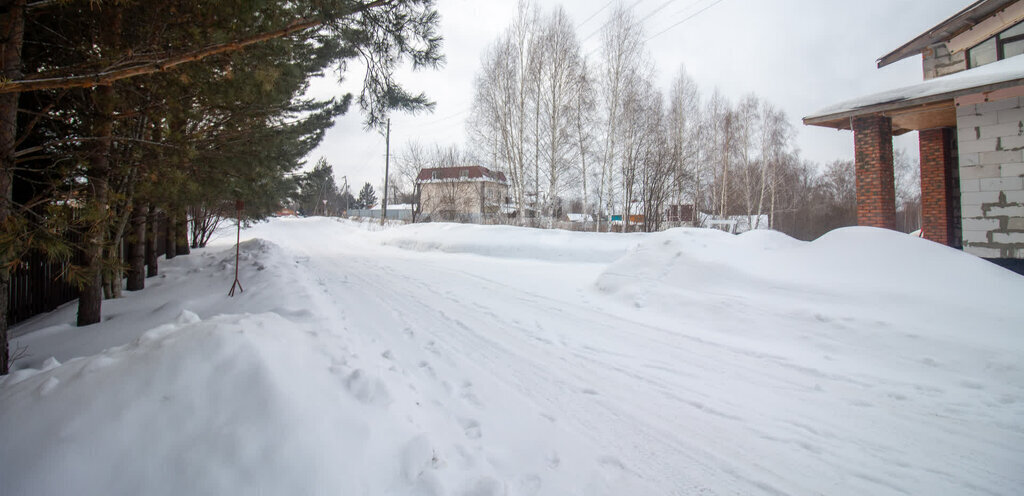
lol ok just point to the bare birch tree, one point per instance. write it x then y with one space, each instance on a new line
622 57
683 137
502 104
558 75
584 119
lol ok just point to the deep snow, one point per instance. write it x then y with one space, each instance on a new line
456 359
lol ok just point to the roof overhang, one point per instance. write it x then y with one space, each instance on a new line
946 30
929 104
913 114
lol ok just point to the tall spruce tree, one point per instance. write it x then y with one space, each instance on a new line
191 102
367 197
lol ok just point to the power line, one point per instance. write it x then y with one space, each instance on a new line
656 10
594 14
451 116
695 14
598 30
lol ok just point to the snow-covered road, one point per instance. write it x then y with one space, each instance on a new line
511 361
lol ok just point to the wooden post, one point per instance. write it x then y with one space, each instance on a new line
239 205
387 160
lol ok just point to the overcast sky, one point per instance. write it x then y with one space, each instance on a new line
801 55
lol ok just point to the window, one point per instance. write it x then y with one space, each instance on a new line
1008 43
464 173
985 53
433 174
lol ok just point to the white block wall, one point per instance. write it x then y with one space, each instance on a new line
991 148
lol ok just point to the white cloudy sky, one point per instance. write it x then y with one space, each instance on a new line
801 55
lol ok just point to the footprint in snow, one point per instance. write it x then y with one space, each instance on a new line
419 461
611 462
553 461
485 486
468 394
432 347
366 389
471 428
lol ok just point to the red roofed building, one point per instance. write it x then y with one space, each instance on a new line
460 193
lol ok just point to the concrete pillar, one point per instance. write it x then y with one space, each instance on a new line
876 189
939 198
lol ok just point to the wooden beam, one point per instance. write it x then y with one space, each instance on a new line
942 114
978 33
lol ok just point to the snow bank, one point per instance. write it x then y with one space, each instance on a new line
511 242
684 362
275 391
233 405
852 262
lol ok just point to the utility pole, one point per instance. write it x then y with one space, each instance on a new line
387 161
345 192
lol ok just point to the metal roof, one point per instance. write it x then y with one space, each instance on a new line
471 171
934 96
962 21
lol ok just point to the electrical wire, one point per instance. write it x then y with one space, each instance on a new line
695 14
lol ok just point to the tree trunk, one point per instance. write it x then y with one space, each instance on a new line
152 236
181 233
13 25
90 300
108 281
171 242
137 249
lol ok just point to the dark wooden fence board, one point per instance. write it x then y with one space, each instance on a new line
39 286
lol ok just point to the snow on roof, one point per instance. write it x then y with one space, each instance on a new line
966 82
946 30
470 172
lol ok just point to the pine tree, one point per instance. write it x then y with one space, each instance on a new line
318 193
204 106
367 198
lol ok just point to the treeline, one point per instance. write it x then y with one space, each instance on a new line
592 133
114 113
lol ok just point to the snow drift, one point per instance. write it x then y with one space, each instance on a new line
473 360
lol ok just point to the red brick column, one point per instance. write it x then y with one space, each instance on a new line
937 185
876 190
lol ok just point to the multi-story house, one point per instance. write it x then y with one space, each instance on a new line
969 113
467 194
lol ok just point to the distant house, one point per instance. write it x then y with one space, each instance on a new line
733 223
969 115
679 213
578 218
467 194
396 211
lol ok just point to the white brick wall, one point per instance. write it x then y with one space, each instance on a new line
1012 170
990 139
980 171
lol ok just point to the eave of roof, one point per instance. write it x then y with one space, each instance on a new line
995 76
958 23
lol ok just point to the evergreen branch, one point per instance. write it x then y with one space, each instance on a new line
110 76
25 151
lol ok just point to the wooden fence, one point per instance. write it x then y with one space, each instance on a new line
39 285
